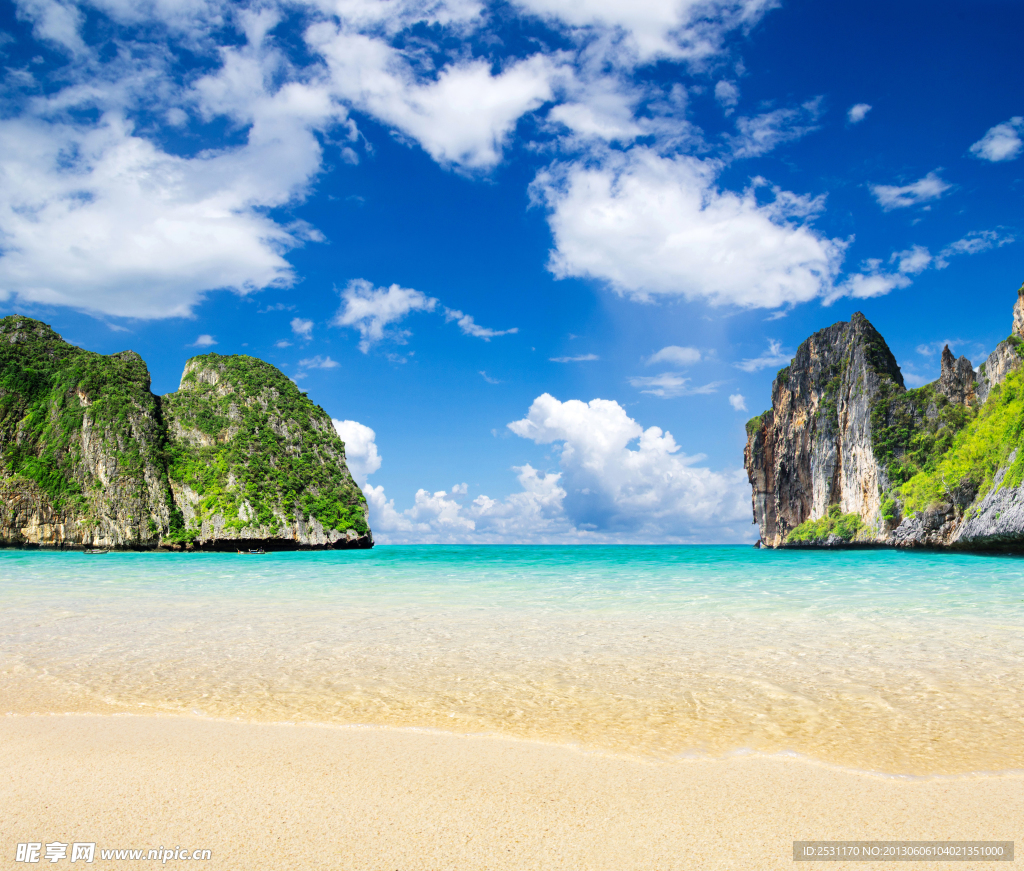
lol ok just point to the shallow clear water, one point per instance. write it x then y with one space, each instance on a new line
900 662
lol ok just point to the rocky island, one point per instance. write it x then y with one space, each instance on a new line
238 457
847 456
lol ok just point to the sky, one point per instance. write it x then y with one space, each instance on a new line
538 260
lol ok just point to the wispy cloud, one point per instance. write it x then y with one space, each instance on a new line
582 358
471 328
924 190
670 384
774 356
674 355
737 401
488 378
319 362
760 134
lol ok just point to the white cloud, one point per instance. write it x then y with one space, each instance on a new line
282 343
776 355
686 29
95 215
581 358
874 281
204 341
727 95
674 355
463 116
651 225
302 328
762 133
370 310
488 378
913 261
870 282
1001 142
360 448
669 384
973 243
319 362
931 187
737 401
97 218
617 482
857 113
652 489
471 328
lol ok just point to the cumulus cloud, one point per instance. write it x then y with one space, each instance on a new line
360 448
912 261
471 328
616 481
463 116
674 355
775 356
204 341
1001 142
302 328
613 486
370 310
737 401
931 187
857 113
650 225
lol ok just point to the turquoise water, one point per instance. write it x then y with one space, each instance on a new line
903 662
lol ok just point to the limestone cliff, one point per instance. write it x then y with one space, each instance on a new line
87 458
253 460
81 444
813 449
847 455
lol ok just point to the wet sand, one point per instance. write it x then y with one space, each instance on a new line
275 796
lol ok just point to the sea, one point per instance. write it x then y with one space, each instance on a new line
903 663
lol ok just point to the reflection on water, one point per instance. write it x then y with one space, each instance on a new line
895 662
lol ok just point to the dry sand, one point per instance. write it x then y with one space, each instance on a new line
280 796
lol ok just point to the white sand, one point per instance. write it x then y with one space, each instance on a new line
280 797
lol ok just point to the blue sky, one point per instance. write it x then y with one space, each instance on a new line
539 260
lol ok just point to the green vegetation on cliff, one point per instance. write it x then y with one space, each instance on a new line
845 526
911 430
49 392
976 453
88 455
255 451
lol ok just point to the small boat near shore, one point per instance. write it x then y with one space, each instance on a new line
95 551
258 551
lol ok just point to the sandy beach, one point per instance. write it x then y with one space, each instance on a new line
268 796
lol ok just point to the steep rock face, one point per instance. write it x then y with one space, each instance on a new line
81 444
946 460
957 381
254 461
86 450
813 449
